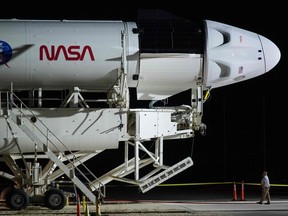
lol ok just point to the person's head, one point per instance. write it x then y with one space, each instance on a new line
264 173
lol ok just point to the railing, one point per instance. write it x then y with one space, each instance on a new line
13 101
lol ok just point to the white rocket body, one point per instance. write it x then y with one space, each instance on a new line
87 54
58 55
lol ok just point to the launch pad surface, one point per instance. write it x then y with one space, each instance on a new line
168 201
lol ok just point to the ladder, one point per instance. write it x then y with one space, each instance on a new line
166 174
43 147
145 185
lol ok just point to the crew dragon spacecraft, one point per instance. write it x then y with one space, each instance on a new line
56 75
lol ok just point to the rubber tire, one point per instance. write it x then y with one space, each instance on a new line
4 192
55 199
17 199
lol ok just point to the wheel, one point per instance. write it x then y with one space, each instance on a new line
55 199
17 199
4 193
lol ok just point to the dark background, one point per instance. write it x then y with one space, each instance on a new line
246 122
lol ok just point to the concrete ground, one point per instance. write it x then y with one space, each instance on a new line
180 201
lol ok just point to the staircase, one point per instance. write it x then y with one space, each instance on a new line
166 174
43 146
147 184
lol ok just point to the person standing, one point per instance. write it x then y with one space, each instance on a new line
265 186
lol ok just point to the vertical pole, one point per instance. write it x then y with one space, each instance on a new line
126 155
136 160
157 155
67 200
40 97
75 98
78 206
84 202
242 191
161 151
98 211
136 147
234 192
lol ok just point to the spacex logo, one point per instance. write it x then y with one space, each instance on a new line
5 53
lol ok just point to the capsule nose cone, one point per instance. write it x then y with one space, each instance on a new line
272 53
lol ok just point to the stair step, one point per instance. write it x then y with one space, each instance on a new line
166 174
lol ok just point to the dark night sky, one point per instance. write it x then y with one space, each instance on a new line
246 122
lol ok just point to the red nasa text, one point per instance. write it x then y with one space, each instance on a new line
70 53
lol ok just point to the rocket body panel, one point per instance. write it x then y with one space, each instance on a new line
76 129
64 54
179 72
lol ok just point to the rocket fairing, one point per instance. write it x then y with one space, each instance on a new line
163 57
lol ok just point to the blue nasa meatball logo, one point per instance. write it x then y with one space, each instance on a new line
5 53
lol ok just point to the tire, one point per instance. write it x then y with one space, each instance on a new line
4 193
55 199
17 199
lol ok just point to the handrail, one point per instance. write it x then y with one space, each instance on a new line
11 103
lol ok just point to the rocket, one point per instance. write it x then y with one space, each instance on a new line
157 57
163 57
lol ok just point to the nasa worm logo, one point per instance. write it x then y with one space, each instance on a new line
5 53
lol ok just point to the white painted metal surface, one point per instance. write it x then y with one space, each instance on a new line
234 54
163 75
77 129
88 56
